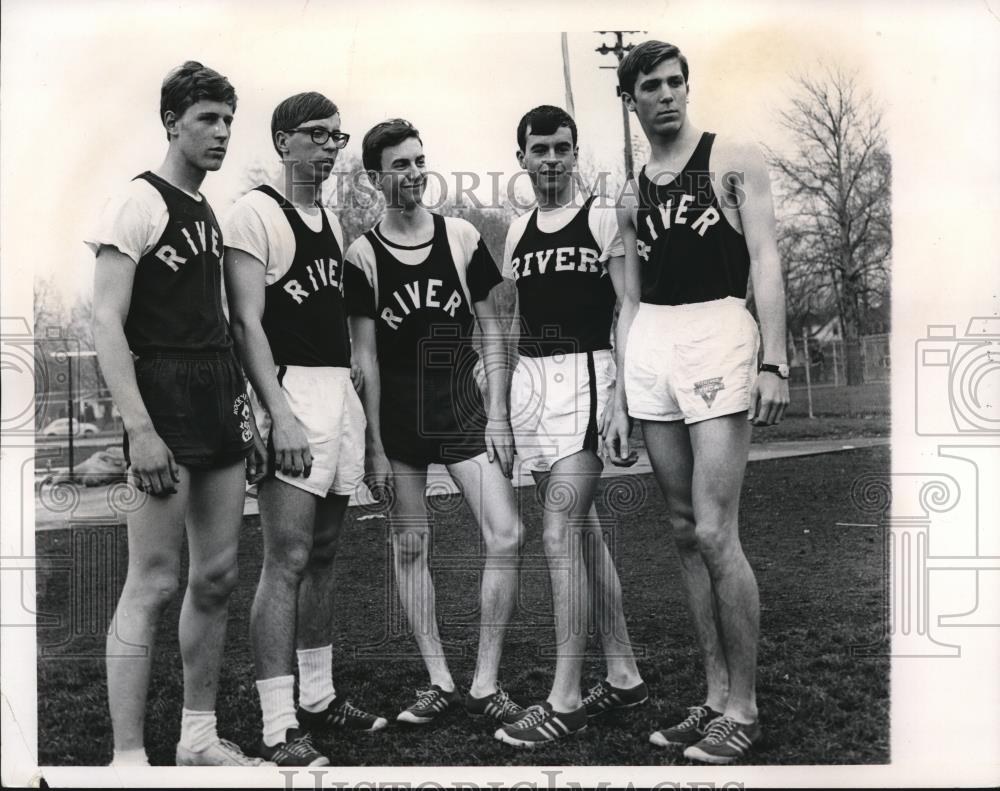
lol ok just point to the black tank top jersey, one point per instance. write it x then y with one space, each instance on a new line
177 292
304 316
687 249
423 320
566 299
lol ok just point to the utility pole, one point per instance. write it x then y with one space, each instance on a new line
569 87
619 49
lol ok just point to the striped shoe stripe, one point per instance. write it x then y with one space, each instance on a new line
549 730
614 696
740 740
561 724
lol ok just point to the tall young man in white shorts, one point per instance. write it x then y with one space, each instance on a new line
417 283
567 260
167 355
284 270
697 223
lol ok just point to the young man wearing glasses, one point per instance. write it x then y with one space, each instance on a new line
284 267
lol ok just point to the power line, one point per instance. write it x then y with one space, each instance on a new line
620 49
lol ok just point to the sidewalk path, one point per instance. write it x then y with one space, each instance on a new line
54 507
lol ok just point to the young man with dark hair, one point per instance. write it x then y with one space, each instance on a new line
697 224
284 276
566 258
188 423
416 285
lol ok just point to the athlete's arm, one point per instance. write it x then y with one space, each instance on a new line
626 284
499 439
245 289
151 461
378 472
770 394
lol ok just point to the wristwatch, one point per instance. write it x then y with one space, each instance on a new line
781 370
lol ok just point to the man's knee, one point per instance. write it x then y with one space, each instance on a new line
504 540
716 540
681 519
213 585
324 550
153 588
289 558
410 546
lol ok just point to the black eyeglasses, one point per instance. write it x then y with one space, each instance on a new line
320 135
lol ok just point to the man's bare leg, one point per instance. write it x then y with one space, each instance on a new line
155 532
670 453
568 493
606 603
315 603
491 499
410 550
721 447
215 513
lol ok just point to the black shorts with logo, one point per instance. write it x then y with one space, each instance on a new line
198 404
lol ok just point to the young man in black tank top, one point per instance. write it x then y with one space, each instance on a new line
416 285
284 269
567 261
698 221
188 424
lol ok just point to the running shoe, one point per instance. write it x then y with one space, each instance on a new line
540 724
688 731
222 753
604 697
726 741
430 704
499 706
296 750
339 714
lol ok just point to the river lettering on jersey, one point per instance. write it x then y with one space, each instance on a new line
416 295
322 272
562 259
198 239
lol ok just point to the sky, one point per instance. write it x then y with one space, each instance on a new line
82 81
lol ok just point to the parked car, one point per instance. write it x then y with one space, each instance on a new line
60 428
103 467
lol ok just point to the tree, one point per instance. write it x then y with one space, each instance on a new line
833 192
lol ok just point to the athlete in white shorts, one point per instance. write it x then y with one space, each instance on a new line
284 267
566 258
697 224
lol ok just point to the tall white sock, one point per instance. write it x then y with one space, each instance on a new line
277 706
316 677
198 730
136 757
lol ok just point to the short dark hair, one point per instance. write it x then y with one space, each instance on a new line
190 83
644 58
544 120
298 109
382 136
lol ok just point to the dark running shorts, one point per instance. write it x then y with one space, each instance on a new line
431 420
198 404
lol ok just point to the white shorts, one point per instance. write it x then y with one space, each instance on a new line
555 403
691 362
330 412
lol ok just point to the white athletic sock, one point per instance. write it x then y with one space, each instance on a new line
136 757
316 678
277 706
197 730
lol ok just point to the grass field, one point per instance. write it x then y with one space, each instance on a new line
842 401
822 592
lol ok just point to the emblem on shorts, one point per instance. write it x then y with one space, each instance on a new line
241 408
708 388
